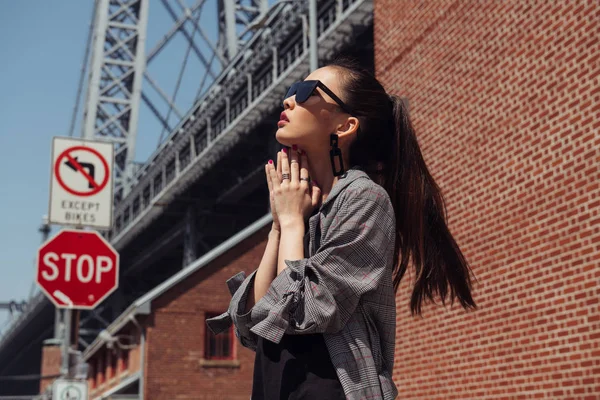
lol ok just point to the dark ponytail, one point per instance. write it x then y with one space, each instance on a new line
387 149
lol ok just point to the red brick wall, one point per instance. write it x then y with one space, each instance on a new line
51 362
505 97
175 335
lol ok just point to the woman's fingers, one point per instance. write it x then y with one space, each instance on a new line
285 165
274 179
304 170
295 165
279 166
268 168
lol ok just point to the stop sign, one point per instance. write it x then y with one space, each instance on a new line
77 269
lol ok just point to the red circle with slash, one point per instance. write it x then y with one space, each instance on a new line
97 187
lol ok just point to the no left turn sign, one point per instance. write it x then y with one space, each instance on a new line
86 169
81 189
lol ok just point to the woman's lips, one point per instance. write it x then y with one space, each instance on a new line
283 119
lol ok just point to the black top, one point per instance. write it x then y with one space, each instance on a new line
299 367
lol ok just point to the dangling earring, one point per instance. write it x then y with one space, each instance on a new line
335 151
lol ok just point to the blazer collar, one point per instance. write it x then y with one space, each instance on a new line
344 180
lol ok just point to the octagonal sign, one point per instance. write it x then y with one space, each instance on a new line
77 269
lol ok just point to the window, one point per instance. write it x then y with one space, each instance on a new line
218 347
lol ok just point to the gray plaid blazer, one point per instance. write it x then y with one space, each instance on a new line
343 289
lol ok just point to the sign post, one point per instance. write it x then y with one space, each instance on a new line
81 184
78 269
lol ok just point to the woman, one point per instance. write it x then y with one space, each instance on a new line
320 309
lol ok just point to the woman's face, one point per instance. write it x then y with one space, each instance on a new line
309 124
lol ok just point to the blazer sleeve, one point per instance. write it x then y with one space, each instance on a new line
320 293
239 286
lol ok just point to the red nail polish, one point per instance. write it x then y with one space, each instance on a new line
270 161
294 147
316 183
284 150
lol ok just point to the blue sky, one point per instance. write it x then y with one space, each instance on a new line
42 48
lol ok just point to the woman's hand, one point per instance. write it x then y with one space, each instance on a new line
292 199
275 226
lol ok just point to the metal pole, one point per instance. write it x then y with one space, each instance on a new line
189 236
230 28
312 32
64 368
45 228
57 321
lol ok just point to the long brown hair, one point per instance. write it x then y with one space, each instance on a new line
386 148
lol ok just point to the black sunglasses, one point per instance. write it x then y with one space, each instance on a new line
304 89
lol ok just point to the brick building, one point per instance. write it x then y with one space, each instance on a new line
505 98
164 350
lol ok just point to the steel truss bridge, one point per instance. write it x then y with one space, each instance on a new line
205 180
